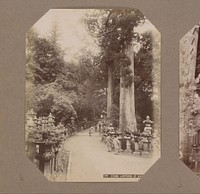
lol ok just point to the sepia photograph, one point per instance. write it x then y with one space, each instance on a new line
93 110
189 126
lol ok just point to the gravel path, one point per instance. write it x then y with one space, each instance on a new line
89 160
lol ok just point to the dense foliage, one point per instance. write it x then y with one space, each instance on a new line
65 89
48 79
79 89
113 31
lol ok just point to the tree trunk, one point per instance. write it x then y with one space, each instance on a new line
127 117
109 92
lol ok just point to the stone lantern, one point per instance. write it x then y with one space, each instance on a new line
72 121
73 125
43 123
30 124
45 156
128 143
104 114
35 119
30 146
39 123
51 119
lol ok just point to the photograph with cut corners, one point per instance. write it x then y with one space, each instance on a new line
93 95
189 125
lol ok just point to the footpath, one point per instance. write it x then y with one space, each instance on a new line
89 160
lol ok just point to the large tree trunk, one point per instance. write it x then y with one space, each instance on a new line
127 117
109 91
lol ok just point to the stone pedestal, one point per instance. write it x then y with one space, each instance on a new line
136 147
47 168
128 145
146 146
120 143
45 157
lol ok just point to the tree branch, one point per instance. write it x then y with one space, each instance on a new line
109 31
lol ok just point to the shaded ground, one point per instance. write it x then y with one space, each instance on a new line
89 160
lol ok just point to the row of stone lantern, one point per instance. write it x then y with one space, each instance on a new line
146 141
43 140
39 123
126 146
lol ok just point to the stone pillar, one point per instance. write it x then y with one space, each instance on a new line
149 143
128 144
47 168
120 143
45 157
145 146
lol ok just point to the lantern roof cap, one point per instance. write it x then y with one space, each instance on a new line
50 115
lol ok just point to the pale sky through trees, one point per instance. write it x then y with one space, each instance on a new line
73 36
